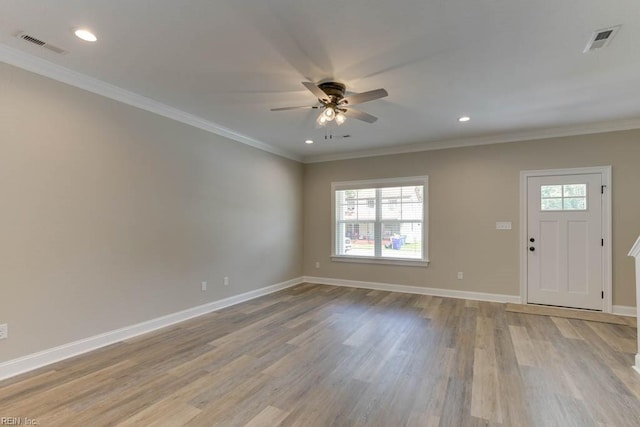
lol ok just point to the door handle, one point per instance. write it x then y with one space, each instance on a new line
531 248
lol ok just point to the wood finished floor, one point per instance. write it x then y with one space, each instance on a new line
318 355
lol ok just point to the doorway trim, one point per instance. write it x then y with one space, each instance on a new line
607 276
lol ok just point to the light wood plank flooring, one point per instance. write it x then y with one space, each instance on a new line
570 313
319 355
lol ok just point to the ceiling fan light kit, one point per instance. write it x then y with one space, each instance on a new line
335 106
329 112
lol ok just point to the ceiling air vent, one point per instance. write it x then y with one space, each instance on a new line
601 38
36 41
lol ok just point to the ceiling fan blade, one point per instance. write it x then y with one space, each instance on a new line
363 97
293 108
360 115
316 90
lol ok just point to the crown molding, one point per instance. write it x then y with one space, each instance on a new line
62 74
526 135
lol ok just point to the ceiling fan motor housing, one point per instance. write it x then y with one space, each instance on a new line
334 89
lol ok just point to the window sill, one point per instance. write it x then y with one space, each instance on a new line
389 261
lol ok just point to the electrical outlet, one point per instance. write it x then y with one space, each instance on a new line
460 275
204 286
225 281
4 331
317 264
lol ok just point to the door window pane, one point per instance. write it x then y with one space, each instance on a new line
574 203
552 204
551 191
571 197
574 190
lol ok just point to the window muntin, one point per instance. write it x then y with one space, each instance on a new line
567 197
380 219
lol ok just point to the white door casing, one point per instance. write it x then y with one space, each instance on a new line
565 251
568 262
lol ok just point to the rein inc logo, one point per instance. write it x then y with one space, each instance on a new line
18 421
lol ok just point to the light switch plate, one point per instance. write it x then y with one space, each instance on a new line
503 225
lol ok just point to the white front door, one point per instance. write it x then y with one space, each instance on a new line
564 241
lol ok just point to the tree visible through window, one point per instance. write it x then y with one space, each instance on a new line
381 219
572 197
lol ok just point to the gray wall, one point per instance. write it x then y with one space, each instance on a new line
111 215
469 190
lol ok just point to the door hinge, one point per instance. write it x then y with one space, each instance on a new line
602 294
601 242
602 187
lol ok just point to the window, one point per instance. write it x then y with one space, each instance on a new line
571 197
380 221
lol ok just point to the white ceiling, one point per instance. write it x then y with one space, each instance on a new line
515 66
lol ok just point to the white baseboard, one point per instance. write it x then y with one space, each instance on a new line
621 310
624 310
46 357
636 367
449 293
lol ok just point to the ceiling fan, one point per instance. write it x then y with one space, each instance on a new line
335 106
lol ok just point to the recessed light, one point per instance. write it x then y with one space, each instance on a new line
309 141
85 35
464 119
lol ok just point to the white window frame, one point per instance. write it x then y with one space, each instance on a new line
382 183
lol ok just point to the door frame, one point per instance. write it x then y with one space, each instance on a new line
607 276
